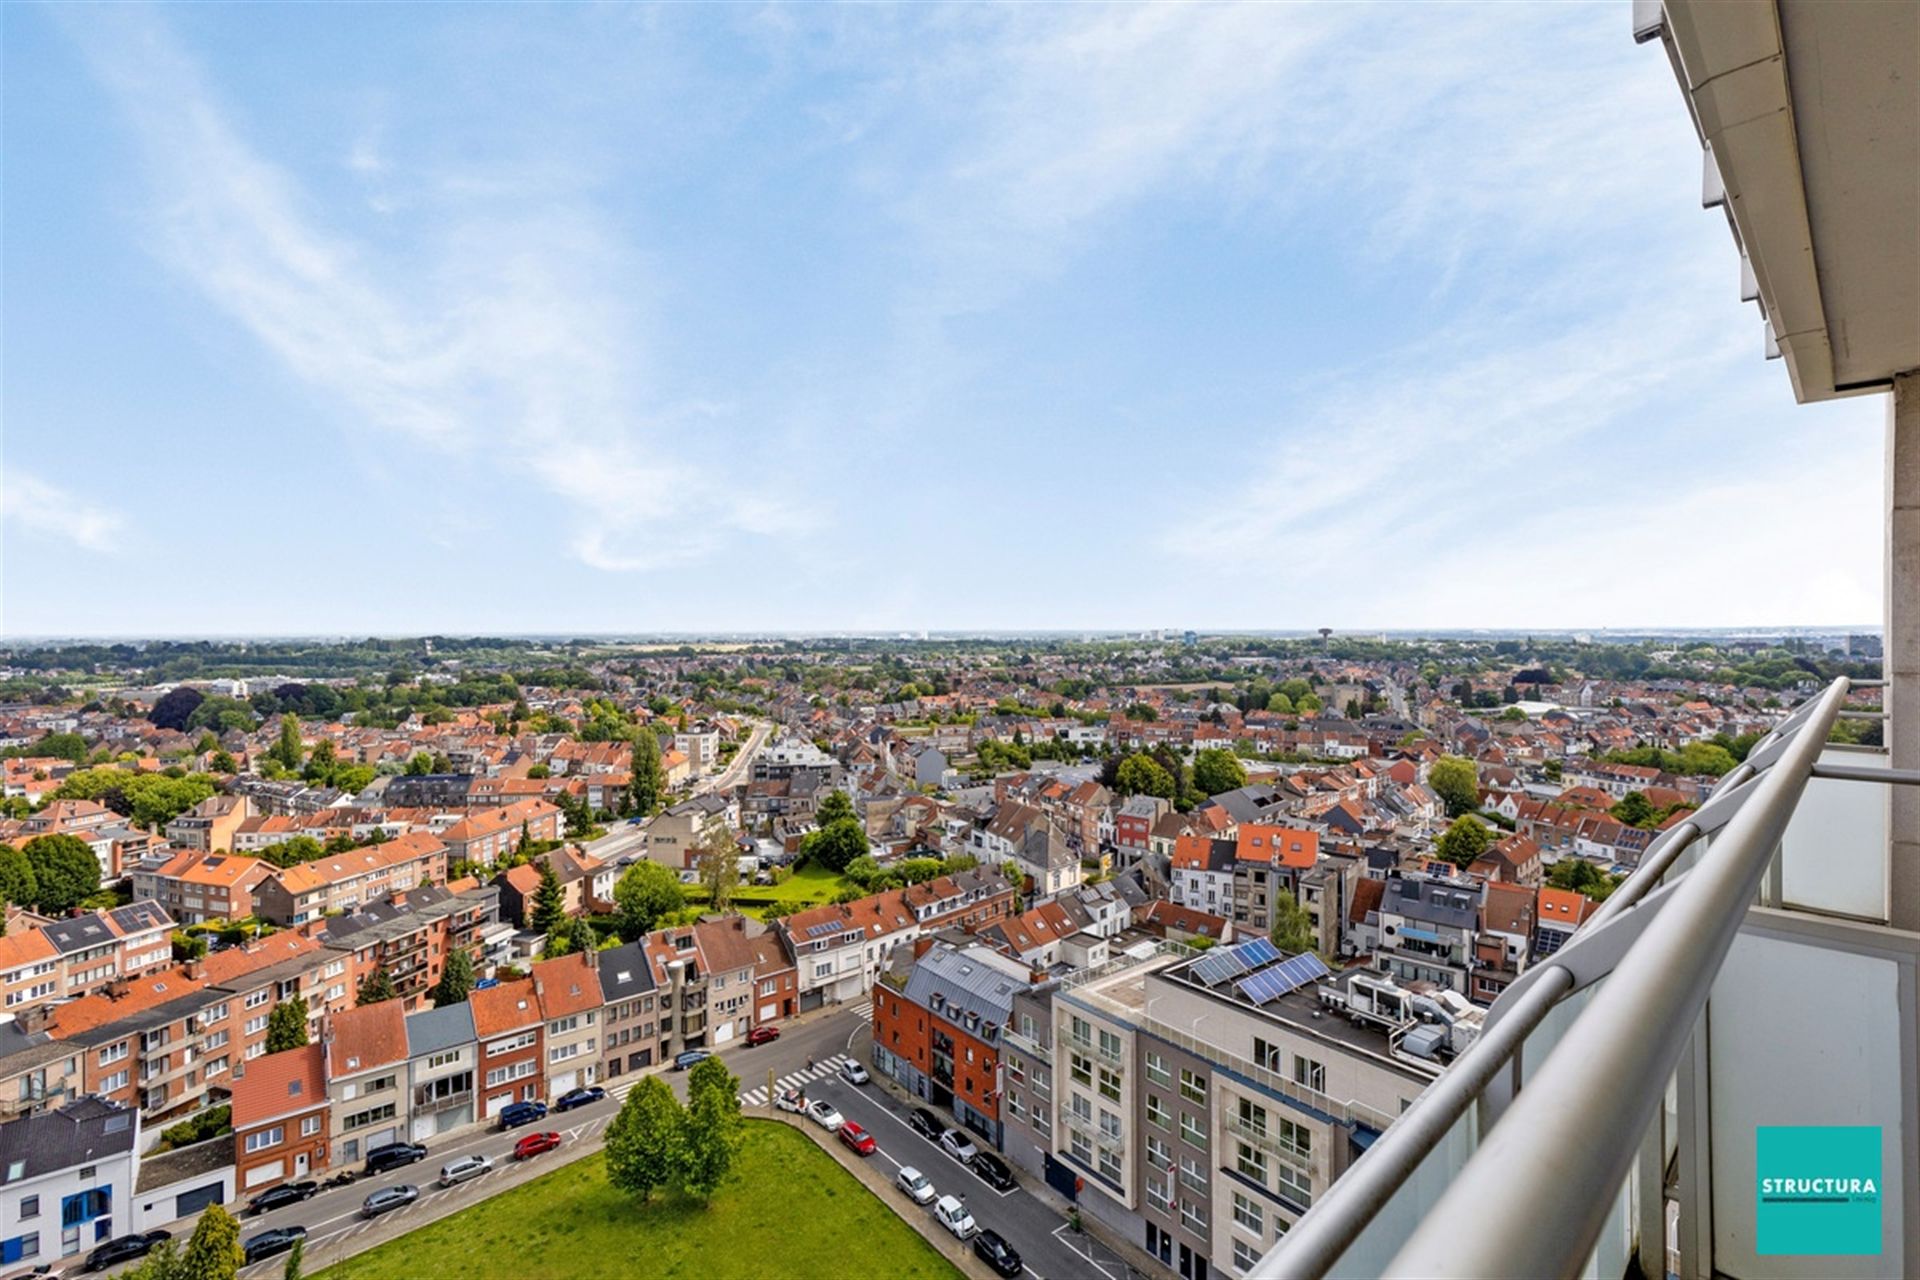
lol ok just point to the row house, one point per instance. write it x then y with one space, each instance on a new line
839 949
441 1057
68 958
282 1118
210 825
1268 861
1427 926
1134 821
704 975
368 1080
509 1030
66 1181
631 1041
568 989
484 835
343 882
196 887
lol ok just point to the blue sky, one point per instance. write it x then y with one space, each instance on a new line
389 319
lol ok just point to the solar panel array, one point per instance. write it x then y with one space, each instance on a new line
1257 952
1218 965
1288 975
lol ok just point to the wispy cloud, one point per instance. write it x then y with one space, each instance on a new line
506 341
45 509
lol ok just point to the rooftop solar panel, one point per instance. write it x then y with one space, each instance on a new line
1217 966
1257 952
1288 975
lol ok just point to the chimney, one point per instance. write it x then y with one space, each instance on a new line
194 970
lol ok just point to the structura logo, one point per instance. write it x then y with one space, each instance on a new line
1818 1190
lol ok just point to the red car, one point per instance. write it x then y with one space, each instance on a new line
857 1138
763 1035
534 1143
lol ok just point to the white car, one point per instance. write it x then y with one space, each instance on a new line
791 1100
915 1184
823 1114
954 1217
958 1145
853 1073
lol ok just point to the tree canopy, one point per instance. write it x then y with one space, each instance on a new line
1464 841
645 893
1216 770
1456 781
65 872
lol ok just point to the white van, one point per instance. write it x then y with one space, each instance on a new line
464 1169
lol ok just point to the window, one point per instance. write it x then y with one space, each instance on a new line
1266 1055
256 1025
1250 1162
1157 1069
1193 1087
1109 1043
1080 1146
1310 1073
29 1207
309 1126
374 1115
265 1138
1297 1138
1157 1113
1080 1031
446 1059
1110 1166
1109 1124
1193 1217
1244 1255
1159 1154
1248 1214
257 998
1110 1084
1192 1175
1296 1185
1253 1116
1082 1108
1192 1130
1081 1069
115 1082
522 1041
114 1053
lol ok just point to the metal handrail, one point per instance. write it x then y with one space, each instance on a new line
1317 1241
1535 1196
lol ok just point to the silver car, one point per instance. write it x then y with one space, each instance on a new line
958 1145
463 1169
387 1199
915 1184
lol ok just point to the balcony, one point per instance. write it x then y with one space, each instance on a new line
1268 1142
1605 1123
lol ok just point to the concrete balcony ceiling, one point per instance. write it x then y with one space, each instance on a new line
1810 112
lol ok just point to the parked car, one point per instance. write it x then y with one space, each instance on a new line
915 1184
395 1155
997 1253
690 1057
534 1143
516 1114
853 1073
278 1197
925 1123
992 1170
389 1198
269 1242
823 1114
958 1145
791 1100
858 1139
579 1098
953 1215
763 1035
124 1249
465 1169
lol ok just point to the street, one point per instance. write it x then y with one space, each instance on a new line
1050 1251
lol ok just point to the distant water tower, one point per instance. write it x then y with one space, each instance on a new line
1325 632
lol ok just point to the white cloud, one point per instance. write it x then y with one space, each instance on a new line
40 507
507 341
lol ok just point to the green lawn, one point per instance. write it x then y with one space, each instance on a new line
792 1212
809 886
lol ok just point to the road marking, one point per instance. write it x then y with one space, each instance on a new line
1088 1255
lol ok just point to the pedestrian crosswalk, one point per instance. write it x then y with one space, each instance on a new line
863 1010
757 1097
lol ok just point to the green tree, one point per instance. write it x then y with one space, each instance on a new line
377 986
67 746
17 884
1140 774
835 845
1216 770
549 901
1456 781
223 762
64 871
649 783
713 1129
1635 810
574 934
717 863
296 1260
832 808
1292 925
419 765
1280 704
456 979
1464 841
1307 705
645 1142
288 749
644 894
213 1252
287 1025
161 1263
1581 876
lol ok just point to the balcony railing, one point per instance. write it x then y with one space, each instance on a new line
1548 1147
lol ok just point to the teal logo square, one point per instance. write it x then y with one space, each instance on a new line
1817 1189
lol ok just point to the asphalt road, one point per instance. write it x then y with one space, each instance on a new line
335 1227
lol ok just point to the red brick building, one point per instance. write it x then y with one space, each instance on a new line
510 1028
280 1119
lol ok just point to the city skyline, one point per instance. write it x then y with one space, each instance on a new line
590 321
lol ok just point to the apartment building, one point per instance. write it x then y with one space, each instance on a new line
1268 861
841 948
411 937
210 825
68 958
1204 1101
568 989
1427 927
346 881
631 1017
508 1027
484 834
938 1019
196 887
674 836
704 974
281 1119
441 1055
368 1078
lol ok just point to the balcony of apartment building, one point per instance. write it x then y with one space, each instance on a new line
1755 983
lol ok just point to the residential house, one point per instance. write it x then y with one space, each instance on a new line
210 825
441 1057
938 1023
196 887
632 1023
66 1180
568 988
508 1025
281 1119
